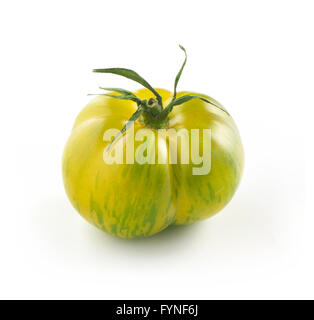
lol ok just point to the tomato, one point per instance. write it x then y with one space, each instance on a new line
141 199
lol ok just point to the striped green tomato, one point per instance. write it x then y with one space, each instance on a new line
142 199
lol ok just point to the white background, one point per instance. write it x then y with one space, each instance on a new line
255 57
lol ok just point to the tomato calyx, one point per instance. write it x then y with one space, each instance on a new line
151 112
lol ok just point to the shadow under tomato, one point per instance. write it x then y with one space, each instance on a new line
172 238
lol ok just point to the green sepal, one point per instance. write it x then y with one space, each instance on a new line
179 74
187 98
130 74
118 90
124 95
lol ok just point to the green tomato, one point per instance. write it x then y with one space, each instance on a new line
141 199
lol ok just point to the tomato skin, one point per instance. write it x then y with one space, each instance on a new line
201 196
133 200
